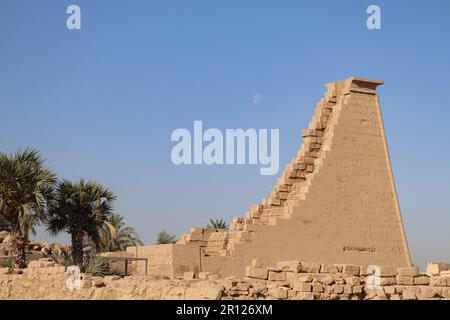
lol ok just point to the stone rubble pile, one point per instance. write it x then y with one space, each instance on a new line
288 280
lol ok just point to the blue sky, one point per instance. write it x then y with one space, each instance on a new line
102 102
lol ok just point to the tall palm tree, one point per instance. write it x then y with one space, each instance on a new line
115 236
81 209
217 224
26 188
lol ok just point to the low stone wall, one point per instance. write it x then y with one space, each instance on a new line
44 279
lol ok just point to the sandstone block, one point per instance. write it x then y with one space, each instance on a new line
317 287
337 288
399 289
387 271
408 271
405 280
256 263
438 282
422 280
279 293
302 287
277 276
213 276
409 294
292 266
204 275
389 290
357 289
387 281
310 267
329 268
204 291
445 293
352 280
351 269
305 278
305 296
327 280
427 293
188 275
258 273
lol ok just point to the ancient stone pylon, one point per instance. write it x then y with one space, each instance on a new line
336 202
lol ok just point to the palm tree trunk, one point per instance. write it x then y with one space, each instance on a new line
19 245
77 248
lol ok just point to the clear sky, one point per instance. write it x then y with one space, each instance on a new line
102 102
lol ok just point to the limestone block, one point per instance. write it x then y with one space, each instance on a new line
395 297
258 273
408 271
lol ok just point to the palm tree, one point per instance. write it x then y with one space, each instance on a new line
115 236
217 224
165 238
80 209
26 188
